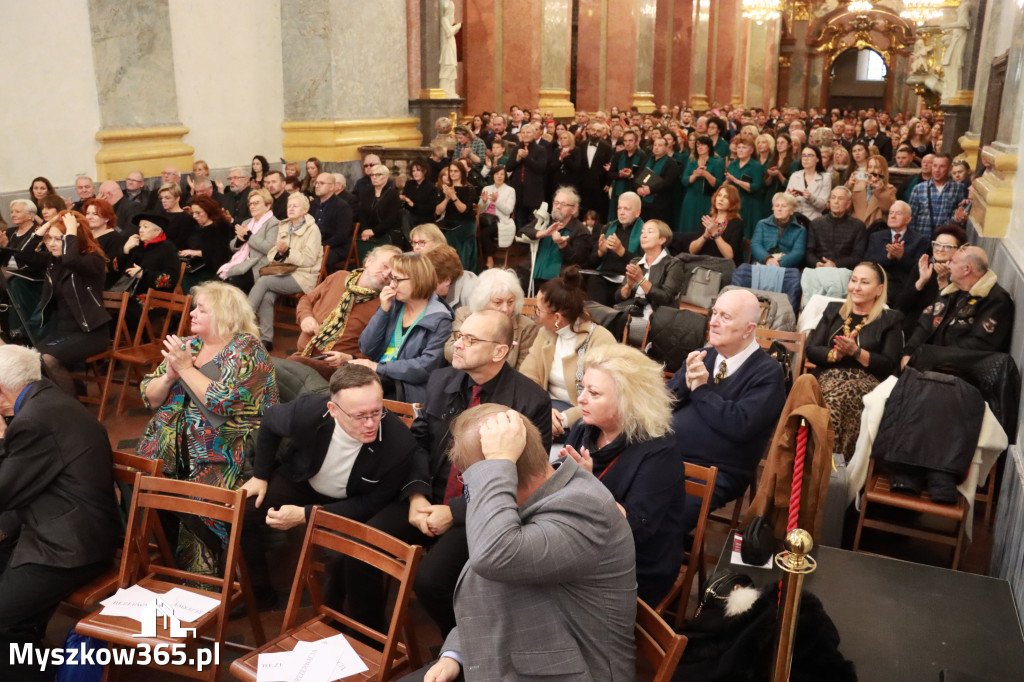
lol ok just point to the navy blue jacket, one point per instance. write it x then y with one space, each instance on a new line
899 272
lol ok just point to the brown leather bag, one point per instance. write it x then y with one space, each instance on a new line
278 269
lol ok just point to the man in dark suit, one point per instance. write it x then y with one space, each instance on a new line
877 139
333 216
587 164
58 515
235 198
273 182
897 249
124 208
135 190
347 454
433 509
655 183
526 172
623 166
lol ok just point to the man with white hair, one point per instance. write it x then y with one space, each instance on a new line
565 241
85 189
615 248
897 249
58 515
527 170
341 191
333 216
729 398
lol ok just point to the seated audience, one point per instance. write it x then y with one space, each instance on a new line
566 333
524 508
897 249
179 222
260 167
777 252
835 244
873 196
102 224
252 243
564 242
456 199
654 278
345 453
404 340
627 412
85 189
810 184
380 212
209 246
209 394
124 209
333 315
313 169
498 290
856 345
729 398
722 235
933 275
497 202
293 265
59 521
613 250
39 188
274 183
432 511
235 197
418 193
150 258
453 283
334 218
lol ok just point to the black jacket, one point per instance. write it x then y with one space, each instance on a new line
159 263
214 241
57 482
379 469
659 204
527 176
666 278
841 240
448 395
383 215
75 280
899 271
578 249
979 319
334 218
235 203
590 178
882 339
422 195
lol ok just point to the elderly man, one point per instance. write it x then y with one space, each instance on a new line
85 189
973 313
58 515
170 174
614 249
565 241
273 182
347 454
656 182
874 138
333 216
586 164
527 170
897 249
835 244
333 315
235 197
849 135
933 202
124 208
624 165
729 398
432 512
201 187
137 192
523 610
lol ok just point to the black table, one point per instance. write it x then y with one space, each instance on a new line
902 622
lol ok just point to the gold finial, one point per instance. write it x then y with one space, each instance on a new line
796 558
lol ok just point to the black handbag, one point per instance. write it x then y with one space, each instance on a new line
758 542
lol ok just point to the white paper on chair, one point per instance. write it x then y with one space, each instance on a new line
328 659
274 667
189 606
128 602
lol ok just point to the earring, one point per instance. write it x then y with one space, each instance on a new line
557 325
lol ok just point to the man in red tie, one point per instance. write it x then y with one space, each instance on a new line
897 249
432 511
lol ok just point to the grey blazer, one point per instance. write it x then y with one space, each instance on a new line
549 590
259 245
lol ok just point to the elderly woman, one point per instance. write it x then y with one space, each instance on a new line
469 148
455 201
873 196
624 440
418 193
723 228
933 275
209 394
779 242
72 296
252 243
293 267
810 185
856 345
380 213
498 290
426 237
566 332
704 172
180 224
747 174
209 246
405 338
149 256
102 223
497 202
654 278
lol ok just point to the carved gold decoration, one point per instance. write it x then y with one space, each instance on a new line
881 30
990 213
785 61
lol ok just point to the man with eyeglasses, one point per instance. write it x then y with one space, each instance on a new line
136 191
235 197
347 454
334 218
364 185
565 241
432 511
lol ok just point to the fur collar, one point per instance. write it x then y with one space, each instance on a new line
981 288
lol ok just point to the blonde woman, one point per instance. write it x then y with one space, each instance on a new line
873 196
624 439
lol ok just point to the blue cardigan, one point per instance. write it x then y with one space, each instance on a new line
422 352
766 240
728 424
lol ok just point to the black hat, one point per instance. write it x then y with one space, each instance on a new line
157 219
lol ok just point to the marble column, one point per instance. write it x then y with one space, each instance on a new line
760 63
556 45
798 72
643 92
699 50
340 91
131 50
741 30
995 14
957 108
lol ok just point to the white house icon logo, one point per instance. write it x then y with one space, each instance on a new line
159 608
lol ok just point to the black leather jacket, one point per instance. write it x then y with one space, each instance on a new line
76 281
883 339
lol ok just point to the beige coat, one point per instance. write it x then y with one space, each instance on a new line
878 206
304 250
537 365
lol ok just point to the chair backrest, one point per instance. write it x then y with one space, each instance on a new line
116 304
405 411
376 548
323 265
657 644
171 305
127 465
181 276
700 482
794 342
530 308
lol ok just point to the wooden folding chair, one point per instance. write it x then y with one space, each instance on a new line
143 355
878 494
126 466
230 587
95 372
358 542
284 307
353 251
794 342
181 276
700 482
658 647
406 411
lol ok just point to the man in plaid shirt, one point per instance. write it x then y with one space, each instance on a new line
934 202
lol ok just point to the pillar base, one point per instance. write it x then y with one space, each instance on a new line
990 213
557 102
699 103
970 144
429 110
962 98
433 93
340 140
149 150
956 120
644 102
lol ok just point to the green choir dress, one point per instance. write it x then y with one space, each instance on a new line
722 148
697 201
751 204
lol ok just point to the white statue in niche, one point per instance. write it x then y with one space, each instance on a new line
449 54
953 56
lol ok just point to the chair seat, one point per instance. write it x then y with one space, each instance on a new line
878 491
314 630
90 594
139 354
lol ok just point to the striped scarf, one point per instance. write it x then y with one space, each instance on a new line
334 326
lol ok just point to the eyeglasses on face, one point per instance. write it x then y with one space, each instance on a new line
376 415
468 340
398 280
944 247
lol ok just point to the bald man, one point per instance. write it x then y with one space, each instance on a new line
730 396
333 216
615 248
124 208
